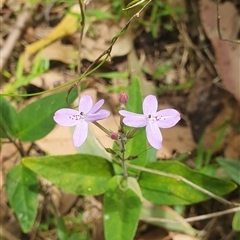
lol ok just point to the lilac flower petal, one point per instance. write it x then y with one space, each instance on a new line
154 135
80 133
135 121
66 117
150 105
125 113
101 114
96 106
85 104
168 118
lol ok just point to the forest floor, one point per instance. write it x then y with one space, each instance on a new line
176 51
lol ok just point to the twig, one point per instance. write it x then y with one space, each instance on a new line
18 146
180 178
82 24
13 37
191 219
109 49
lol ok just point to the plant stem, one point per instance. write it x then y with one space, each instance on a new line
124 167
18 146
122 138
102 128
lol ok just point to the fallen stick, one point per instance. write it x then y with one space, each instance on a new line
13 37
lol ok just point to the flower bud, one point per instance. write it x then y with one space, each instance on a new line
123 98
114 136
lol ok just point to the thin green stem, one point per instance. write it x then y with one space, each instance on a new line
102 128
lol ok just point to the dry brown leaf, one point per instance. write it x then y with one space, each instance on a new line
135 69
104 32
67 26
227 54
150 210
67 202
58 142
177 139
58 52
180 236
51 79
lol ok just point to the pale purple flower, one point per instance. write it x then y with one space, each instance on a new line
87 112
152 120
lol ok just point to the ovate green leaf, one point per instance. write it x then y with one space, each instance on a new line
36 119
80 173
231 167
22 191
169 191
7 119
138 145
122 207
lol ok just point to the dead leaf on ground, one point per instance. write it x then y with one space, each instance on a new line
92 46
58 142
180 236
58 52
67 26
227 54
167 213
176 139
52 79
103 34
135 69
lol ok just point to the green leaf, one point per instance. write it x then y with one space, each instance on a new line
169 191
231 167
36 120
38 69
80 174
161 70
61 229
236 222
134 103
209 170
7 119
137 146
22 191
122 207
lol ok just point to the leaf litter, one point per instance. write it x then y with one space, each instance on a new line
210 104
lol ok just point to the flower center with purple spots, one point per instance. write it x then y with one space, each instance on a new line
77 117
153 119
